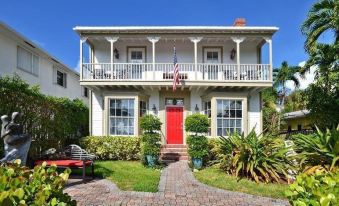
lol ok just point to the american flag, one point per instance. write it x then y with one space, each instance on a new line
175 70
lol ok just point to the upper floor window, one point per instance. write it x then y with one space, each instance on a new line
27 61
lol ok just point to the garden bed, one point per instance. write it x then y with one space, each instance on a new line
214 177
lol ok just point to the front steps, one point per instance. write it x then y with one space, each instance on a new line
173 152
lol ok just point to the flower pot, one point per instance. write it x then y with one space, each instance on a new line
197 163
151 160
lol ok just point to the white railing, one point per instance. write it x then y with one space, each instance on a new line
164 71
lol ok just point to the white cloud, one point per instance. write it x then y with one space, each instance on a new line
304 81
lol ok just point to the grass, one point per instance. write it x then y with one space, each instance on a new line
128 175
213 176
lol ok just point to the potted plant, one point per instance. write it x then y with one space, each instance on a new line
197 125
150 140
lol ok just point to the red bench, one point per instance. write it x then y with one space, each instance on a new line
74 157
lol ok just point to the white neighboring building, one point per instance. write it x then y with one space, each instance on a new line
34 65
130 73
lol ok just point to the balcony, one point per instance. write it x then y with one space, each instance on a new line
162 72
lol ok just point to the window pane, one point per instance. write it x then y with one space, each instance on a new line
238 105
24 60
238 123
232 113
232 105
219 124
239 113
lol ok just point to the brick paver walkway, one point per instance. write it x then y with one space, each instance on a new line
177 187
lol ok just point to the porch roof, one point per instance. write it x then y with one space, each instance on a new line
268 30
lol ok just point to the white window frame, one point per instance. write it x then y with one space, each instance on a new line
230 118
31 69
121 117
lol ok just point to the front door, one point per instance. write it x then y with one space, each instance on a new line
174 125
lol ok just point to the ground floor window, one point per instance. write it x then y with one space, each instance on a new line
143 108
229 116
206 109
121 116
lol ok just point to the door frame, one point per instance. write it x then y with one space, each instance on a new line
183 111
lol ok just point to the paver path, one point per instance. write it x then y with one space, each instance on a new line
177 187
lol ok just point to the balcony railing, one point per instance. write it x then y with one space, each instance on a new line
164 71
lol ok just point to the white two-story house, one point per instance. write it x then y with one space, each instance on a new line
130 73
23 57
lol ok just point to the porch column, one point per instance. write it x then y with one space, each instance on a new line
154 40
269 41
238 40
112 39
196 40
83 39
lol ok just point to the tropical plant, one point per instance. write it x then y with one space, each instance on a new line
322 17
261 158
196 123
295 101
318 151
112 147
40 186
271 117
320 189
285 73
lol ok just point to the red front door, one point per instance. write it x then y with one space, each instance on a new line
174 133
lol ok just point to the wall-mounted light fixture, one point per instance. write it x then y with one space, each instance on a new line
196 109
116 53
233 53
154 109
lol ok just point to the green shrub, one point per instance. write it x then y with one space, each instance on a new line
51 121
150 144
318 189
196 123
320 150
262 158
197 146
40 186
150 123
112 147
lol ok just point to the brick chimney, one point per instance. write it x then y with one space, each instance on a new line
239 22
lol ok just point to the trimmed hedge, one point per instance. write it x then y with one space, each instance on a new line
51 121
112 147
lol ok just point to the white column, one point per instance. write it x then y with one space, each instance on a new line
238 40
154 40
82 40
195 40
112 39
269 41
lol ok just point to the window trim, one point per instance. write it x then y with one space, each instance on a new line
32 56
107 97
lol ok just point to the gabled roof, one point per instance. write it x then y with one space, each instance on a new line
296 114
19 37
270 30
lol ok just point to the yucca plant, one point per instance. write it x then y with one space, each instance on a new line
261 158
319 151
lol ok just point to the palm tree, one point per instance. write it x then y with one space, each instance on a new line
285 73
323 16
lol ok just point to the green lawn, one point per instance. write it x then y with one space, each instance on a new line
215 177
128 175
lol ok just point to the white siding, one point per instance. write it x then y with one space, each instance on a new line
9 43
97 114
195 100
153 100
254 113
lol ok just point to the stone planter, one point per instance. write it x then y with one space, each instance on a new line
151 160
197 163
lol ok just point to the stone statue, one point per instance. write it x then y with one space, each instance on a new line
15 142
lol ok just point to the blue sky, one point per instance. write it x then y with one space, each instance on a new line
50 23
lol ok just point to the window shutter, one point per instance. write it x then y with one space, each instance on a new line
65 79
